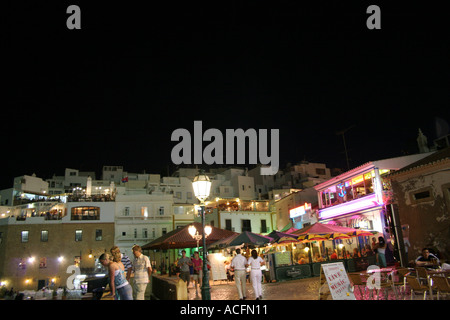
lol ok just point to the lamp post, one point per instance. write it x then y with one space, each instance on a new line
202 187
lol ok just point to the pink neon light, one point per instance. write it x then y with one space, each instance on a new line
348 207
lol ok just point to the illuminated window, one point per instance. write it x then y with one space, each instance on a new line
85 213
44 235
78 235
24 236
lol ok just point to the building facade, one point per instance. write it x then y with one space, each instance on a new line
422 199
36 250
360 198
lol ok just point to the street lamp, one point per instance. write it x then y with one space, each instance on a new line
202 187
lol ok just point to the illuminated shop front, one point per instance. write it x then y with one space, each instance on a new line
355 199
362 197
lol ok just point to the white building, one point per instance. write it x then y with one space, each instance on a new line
141 218
284 205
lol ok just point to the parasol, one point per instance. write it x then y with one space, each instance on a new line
337 236
311 237
282 237
360 233
246 238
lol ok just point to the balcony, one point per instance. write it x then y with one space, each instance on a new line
232 205
363 203
93 198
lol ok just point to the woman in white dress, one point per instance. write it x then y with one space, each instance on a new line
255 262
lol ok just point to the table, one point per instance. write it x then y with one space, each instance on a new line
384 281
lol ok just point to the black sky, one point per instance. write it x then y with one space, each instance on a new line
113 92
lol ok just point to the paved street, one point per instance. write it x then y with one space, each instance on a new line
303 289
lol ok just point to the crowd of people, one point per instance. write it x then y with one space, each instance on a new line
377 248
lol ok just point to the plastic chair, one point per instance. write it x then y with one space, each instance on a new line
401 283
415 286
440 283
357 282
422 275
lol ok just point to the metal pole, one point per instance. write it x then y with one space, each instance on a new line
206 289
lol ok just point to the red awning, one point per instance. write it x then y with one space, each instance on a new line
180 238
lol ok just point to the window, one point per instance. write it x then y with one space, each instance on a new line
24 236
263 226
177 195
189 195
351 189
161 211
78 235
421 195
135 233
246 225
144 212
85 213
98 235
44 235
144 233
164 231
126 211
228 224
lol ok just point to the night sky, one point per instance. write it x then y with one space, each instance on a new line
113 92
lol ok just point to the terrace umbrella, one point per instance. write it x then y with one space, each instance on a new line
247 238
360 233
282 237
337 236
311 237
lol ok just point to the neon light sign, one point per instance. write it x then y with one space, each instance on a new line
348 207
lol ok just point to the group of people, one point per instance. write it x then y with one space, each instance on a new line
120 269
377 248
191 269
239 264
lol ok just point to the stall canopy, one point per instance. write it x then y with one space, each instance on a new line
246 238
331 231
180 238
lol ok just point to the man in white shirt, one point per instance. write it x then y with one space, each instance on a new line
142 272
238 264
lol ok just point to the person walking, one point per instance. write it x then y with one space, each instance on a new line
255 262
142 272
238 265
117 280
197 264
184 263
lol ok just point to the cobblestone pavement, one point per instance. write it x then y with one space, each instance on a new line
302 289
